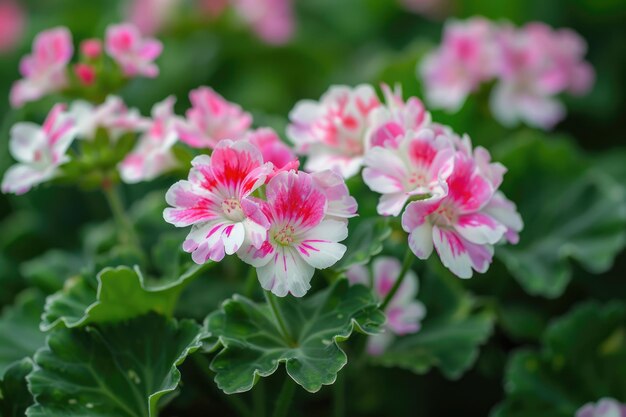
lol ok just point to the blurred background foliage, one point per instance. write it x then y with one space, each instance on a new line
373 41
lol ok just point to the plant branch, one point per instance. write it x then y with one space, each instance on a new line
285 398
406 265
271 300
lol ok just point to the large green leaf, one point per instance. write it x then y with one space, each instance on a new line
114 370
583 359
20 336
252 344
572 209
121 294
14 394
451 333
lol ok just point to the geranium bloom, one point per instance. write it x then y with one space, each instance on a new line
11 24
211 118
468 55
331 132
273 149
395 118
112 115
300 238
153 154
39 150
91 48
341 205
457 224
404 312
149 16
216 201
45 70
418 166
272 20
134 54
606 407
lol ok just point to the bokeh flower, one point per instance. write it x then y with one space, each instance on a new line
134 53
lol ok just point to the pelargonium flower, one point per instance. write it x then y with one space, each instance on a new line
149 16
153 154
395 118
216 201
456 224
332 132
211 119
273 149
300 238
341 205
404 312
45 70
39 150
272 20
605 407
419 166
134 53
112 115
468 56
12 23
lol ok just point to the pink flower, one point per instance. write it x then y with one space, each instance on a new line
39 150
272 20
44 71
419 166
213 8
396 117
134 54
211 118
404 312
216 201
11 25
112 115
149 16
273 149
467 57
153 154
300 238
456 224
91 48
332 132
86 74
341 205
605 407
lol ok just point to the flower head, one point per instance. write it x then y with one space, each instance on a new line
272 20
273 149
300 238
211 119
332 132
153 154
134 54
605 407
216 201
404 312
12 22
39 150
91 48
45 69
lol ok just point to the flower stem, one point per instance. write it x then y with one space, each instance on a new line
271 300
339 391
285 398
126 230
406 265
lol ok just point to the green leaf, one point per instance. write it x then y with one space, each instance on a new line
121 370
252 345
364 242
121 294
572 210
583 359
14 395
451 333
50 270
20 336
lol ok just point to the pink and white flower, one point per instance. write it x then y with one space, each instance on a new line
216 201
153 154
272 20
149 16
45 69
112 115
457 224
300 237
12 22
468 56
341 205
39 150
404 312
418 167
332 132
605 407
211 119
134 54
273 149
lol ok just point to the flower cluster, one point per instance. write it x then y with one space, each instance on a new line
532 65
404 313
606 407
288 234
46 69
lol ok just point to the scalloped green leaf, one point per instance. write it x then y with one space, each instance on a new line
14 394
583 359
451 334
573 209
252 345
124 370
20 336
364 242
121 294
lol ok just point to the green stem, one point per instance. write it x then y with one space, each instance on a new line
339 391
285 398
125 226
271 300
258 399
406 265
